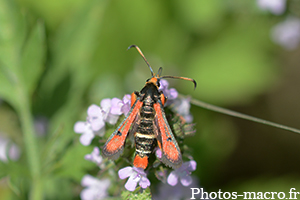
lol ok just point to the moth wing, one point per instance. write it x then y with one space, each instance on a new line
115 144
171 155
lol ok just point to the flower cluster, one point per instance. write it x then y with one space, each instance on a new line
108 113
182 173
95 156
168 192
8 150
287 32
136 175
276 7
171 93
95 188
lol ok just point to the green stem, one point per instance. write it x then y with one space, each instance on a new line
30 145
242 116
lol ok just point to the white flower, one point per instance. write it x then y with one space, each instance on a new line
85 129
287 33
171 93
177 192
94 156
95 188
8 150
136 175
183 174
276 7
96 117
182 107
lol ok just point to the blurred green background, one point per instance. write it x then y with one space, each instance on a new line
58 57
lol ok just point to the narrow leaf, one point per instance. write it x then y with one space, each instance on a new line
33 56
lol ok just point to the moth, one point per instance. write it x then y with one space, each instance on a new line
147 122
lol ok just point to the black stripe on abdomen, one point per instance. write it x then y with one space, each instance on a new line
144 143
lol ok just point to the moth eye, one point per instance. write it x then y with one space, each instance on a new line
158 84
148 80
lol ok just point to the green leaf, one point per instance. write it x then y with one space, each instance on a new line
3 169
73 46
137 195
73 164
7 86
12 34
33 57
21 58
55 184
16 51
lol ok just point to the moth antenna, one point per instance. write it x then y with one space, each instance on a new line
141 53
183 78
159 71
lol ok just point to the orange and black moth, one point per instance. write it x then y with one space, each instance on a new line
147 122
